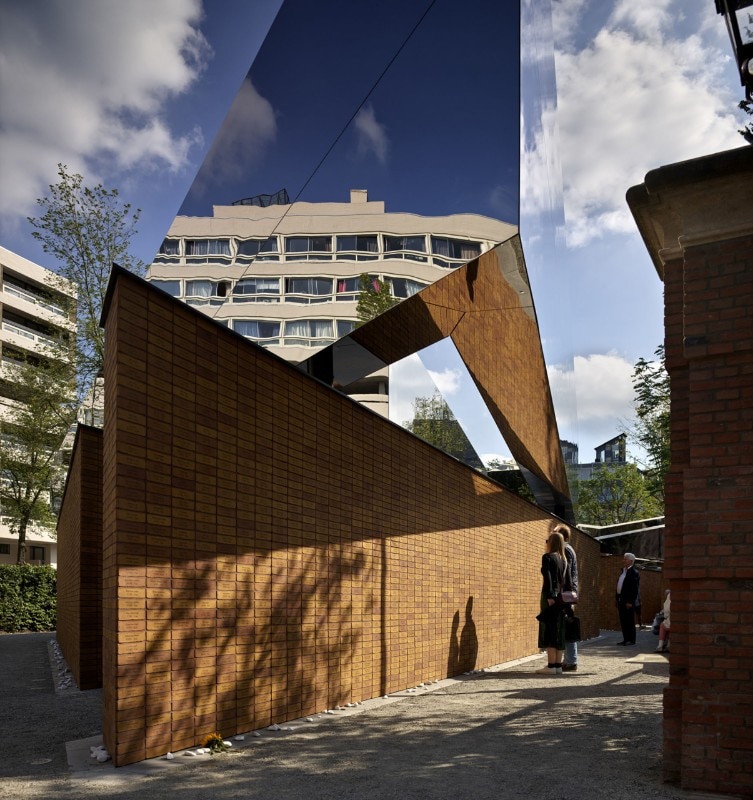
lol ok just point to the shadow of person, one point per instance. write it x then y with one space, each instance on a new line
454 654
468 640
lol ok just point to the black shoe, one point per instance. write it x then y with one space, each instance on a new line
569 667
629 644
623 643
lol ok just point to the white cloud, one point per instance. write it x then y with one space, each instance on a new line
447 381
248 129
372 135
593 398
85 80
637 96
409 379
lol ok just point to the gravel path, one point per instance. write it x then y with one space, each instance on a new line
500 734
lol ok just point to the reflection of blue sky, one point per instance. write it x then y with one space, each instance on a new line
437 129
132 94
542 218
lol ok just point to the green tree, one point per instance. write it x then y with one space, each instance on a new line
32 429
374 297
747 130
86 230
434 422
651 431
615 494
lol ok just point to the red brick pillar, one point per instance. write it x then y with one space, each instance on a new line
696 219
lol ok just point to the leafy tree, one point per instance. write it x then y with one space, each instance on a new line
496 463
33 426
374 298
651 386
434 422
87 230
747 131
613 494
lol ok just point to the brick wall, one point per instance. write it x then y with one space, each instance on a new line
695 218
712 374
79 582
272 549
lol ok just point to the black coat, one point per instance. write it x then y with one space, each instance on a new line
630 587
553 572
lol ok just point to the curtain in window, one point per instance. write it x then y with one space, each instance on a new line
309 328
203 247
169 247
256 329
469 250
199 288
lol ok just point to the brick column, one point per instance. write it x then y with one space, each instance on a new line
696 219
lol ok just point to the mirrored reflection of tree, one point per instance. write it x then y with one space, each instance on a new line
616 494
434 422
374 297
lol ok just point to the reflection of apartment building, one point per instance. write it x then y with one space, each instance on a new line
612 453
35 306
287 276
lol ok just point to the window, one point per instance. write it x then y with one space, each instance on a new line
301 248
308 290
309 332
4 549
461 250
203 292
36 554
405 247
258 329
249 249
257 290
344 327
348 289
205 250
171 287
357 248
403 287
170 247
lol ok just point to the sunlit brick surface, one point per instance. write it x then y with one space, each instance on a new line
272 549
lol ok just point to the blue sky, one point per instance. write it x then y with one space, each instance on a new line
133 94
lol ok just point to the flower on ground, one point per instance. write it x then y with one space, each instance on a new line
215 743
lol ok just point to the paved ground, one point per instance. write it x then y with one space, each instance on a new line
504 733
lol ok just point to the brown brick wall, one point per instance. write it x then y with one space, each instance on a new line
709 517
79 580
272 549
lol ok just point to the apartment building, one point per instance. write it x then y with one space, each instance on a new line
36 305
286 276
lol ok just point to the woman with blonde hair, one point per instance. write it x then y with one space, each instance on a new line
552 616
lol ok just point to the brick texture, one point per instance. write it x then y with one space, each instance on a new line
708 710
79 581
272 549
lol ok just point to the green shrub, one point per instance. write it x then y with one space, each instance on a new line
28 599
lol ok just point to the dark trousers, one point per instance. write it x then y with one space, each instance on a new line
627 621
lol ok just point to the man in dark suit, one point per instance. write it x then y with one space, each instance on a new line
628 585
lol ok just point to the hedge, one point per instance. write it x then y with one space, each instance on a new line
28 599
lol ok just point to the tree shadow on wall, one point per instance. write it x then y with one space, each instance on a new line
246 653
